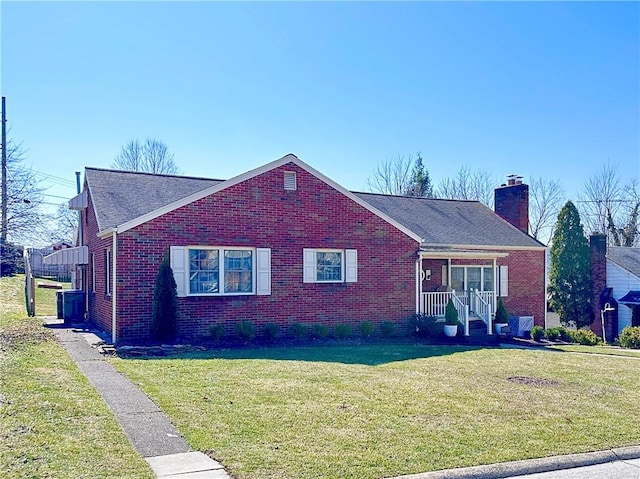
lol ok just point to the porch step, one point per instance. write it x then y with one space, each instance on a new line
477 327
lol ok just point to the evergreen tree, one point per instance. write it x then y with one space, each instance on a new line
165 304
570 285
421 186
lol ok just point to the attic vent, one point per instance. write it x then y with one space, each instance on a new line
290 181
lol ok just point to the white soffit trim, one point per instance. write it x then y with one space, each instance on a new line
461 254
107 233
486 247
290 158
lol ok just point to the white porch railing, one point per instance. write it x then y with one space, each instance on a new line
463 312
481 303
481 307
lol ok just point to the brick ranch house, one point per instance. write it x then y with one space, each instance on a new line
283 243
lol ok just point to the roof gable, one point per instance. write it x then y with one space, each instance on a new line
625 257
114 209
451 222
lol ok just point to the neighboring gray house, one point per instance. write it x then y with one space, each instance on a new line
623 276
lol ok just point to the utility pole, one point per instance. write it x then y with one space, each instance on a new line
3 236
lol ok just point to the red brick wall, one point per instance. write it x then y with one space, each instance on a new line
259 213
99 301
526 284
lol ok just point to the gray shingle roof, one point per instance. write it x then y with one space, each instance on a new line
120 196
628 258
450 222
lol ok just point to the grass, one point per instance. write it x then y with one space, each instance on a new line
607 350
53 424
384 410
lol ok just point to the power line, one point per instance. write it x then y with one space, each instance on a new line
54 179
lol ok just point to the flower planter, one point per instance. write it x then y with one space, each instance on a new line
498 327
450 330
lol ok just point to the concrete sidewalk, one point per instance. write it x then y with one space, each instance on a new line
620 463
147 427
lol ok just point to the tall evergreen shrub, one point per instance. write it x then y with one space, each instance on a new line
165 304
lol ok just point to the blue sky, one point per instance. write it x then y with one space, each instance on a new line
541 89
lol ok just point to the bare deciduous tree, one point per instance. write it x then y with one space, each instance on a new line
24 198
469 184
546 198
65 224
610 207
152 156
402 176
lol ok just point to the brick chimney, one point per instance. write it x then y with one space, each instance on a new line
511 202
602 294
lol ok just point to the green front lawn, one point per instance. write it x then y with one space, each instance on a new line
607 350
384 410
53 424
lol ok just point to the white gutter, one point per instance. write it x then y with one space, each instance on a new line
418 283
113 284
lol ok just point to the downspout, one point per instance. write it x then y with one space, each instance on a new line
113 286
418 282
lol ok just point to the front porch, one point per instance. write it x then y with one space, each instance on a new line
471 279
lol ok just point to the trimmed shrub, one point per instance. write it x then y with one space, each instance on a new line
366 328
630 337
164 322
216 331
451 314
342 331
424 326
270 331
319 331
565 334
386 329
537 333
245 330
586 337
298 331
552 334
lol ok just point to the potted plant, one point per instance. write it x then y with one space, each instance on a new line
502 317
450 320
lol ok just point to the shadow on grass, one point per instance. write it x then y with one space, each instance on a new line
367 355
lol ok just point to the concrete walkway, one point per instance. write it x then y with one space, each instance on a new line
147 427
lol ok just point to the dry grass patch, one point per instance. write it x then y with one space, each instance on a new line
379 411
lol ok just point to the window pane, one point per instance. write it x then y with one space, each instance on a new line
203 271
473 278
329 266
457 278
238 266
487 279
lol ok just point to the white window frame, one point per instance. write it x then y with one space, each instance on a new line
482 267
348 265
221 250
